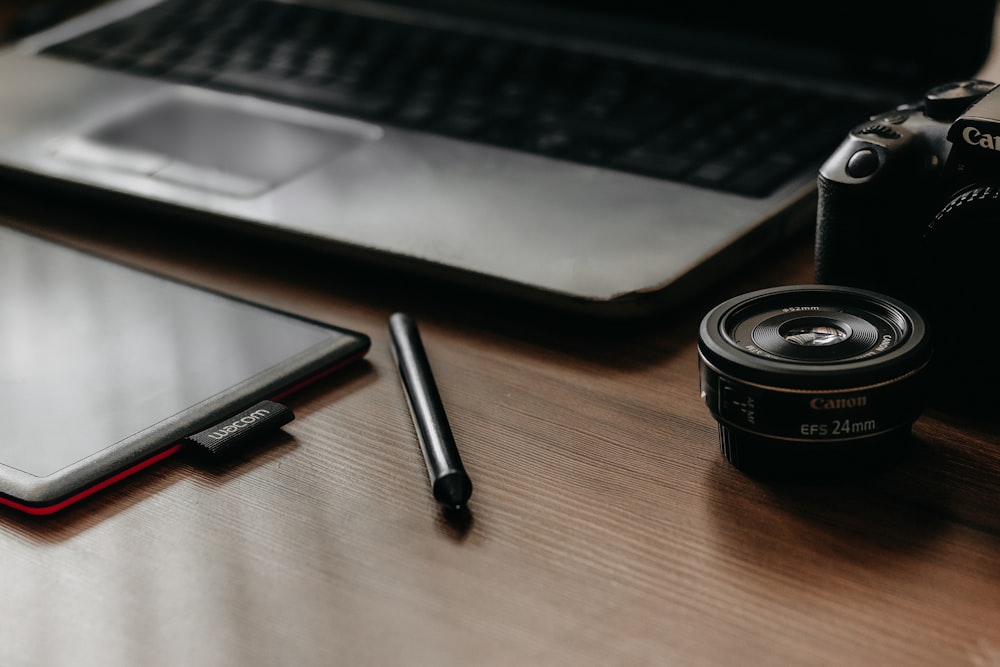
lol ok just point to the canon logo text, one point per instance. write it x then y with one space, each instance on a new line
974 137
822 403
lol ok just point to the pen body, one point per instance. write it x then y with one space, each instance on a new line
449 481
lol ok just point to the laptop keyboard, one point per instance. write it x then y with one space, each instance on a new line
710 131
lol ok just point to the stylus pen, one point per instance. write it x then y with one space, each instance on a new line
449 482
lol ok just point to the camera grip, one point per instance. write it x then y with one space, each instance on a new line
846 218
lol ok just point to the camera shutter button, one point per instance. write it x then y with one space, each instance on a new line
862 164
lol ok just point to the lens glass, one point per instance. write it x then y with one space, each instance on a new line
815 335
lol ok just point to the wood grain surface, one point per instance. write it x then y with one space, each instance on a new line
605 528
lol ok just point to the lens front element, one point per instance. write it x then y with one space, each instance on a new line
814 334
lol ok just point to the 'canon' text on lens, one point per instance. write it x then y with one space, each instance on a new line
821 403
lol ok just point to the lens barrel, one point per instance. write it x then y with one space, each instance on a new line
812 381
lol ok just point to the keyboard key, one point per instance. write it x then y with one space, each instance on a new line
761 177
659 165
369 104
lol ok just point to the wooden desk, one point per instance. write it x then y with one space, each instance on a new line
606 528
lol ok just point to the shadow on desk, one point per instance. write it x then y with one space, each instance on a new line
946 480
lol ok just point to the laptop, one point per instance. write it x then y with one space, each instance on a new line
606 157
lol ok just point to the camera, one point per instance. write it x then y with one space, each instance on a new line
909 206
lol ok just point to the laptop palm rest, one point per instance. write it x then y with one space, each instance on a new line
230 150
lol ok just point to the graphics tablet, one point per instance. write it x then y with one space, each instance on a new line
106 369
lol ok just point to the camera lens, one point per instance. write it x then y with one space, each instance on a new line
956 270
813 380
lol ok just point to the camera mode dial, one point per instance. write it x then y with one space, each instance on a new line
947 102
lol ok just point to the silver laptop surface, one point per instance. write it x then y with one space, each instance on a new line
575 185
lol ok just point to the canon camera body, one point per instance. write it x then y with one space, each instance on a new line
909 205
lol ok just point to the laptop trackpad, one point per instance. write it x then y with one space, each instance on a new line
229 149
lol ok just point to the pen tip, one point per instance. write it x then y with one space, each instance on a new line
453 490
